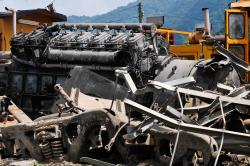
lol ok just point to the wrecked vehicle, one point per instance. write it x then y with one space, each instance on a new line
93 127
44 57
126 95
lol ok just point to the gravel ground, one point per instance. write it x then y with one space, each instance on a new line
30 162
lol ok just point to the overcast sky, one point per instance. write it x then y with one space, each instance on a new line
68 7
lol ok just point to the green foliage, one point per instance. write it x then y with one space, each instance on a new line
37 164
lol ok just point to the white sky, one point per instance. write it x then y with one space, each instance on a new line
68 7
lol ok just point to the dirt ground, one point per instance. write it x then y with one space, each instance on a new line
30 162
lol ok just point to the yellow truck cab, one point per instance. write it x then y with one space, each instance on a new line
237 29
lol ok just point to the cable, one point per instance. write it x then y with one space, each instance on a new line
112 140
178 133
223 134
114 96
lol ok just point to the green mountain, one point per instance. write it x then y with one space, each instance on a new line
179 14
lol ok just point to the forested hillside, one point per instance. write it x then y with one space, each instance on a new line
179 14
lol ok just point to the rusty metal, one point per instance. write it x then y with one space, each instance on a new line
18 113
49 131
128 102
46 150
95 162
189 127
187 141
211 96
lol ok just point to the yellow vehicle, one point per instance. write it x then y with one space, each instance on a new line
237 35
237 29
194 49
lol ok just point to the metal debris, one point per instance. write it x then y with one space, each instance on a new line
126 103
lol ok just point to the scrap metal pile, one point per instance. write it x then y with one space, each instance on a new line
158 109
